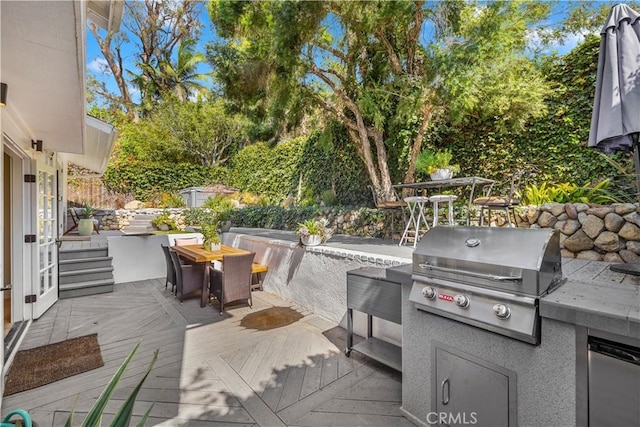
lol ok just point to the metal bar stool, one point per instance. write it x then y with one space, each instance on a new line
441 198
415 206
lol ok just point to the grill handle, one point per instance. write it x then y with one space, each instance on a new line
427 266
445 399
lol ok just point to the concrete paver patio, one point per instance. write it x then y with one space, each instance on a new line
212 369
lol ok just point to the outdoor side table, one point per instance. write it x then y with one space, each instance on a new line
417 220
370 292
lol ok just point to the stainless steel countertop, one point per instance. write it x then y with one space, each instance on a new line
596 297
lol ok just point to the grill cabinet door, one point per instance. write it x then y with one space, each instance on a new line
468 393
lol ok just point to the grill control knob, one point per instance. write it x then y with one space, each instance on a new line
502 311
461 301
429 292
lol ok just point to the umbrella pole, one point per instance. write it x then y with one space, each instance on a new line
636 160
634 268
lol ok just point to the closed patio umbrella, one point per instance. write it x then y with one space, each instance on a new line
615 123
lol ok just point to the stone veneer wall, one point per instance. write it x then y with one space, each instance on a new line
122 218
601 233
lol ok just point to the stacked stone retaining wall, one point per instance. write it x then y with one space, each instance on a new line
602 233
599 233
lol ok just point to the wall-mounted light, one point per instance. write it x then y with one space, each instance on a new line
3 94
36 145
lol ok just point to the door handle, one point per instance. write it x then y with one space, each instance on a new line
445 400
8 288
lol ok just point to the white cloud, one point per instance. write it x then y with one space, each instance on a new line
536 41
100 66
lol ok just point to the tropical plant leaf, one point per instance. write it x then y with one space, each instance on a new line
94 416
123 416
145 416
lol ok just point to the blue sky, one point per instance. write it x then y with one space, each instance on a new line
96 62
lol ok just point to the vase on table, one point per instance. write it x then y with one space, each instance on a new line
441 174
212 246
311 240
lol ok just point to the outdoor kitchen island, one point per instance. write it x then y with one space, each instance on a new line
504 381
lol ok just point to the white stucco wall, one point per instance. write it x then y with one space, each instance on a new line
140 257
315 278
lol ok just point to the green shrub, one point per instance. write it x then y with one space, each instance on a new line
174 200
197 216
221 208
273 217
568 193
163 218
329 198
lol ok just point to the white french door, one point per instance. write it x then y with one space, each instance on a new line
46 287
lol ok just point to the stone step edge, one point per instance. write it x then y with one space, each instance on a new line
86 284
67 251
85 271
81 260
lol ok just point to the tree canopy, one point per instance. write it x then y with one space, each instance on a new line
386 69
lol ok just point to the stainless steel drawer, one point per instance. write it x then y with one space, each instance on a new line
369 292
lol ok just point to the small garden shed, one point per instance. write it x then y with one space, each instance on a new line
196 196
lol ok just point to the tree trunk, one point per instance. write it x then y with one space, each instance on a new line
427 114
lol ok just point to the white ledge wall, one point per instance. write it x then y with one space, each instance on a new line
138 258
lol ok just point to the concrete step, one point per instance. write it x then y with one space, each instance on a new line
135 223
84 263
76 276
90 287
142 225
66 254
144 217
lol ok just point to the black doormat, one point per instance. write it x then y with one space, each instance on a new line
49 363
270 318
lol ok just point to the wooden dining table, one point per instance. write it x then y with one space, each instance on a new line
198 254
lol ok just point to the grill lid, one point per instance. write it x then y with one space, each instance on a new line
502 247
522 261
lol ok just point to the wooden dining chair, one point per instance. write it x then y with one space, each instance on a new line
184 241
506 203
189 277
393 206
233 282
171 272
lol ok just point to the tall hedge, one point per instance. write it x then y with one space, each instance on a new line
142 180
556 145
302 168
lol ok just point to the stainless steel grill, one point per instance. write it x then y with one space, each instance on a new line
487 277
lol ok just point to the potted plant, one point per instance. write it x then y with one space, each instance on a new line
85 221
211 236
437 164
313 232
165 221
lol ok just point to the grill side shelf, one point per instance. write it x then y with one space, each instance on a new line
370 293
